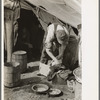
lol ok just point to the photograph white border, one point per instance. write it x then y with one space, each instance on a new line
90 50
2 50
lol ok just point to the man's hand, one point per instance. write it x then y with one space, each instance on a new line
56 62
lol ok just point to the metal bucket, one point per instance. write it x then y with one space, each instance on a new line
57 80
78 83
21 57
11 74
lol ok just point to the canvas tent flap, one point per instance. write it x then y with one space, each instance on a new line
57 1
74 4
24 5
68 12
44 17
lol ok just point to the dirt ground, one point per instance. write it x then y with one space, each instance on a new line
28 79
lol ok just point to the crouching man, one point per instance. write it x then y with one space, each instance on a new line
55 44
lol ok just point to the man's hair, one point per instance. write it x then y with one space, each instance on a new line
62 35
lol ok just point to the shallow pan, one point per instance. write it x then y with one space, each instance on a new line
54 92
40 88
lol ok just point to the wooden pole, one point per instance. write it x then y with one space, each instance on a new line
9 35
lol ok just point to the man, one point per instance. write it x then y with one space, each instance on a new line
55 44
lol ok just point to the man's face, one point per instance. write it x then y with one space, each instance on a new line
62 36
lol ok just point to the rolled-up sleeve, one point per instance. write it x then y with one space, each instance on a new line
50 37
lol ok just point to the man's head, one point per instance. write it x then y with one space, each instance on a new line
62 36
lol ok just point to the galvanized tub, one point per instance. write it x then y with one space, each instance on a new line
12 74
21 57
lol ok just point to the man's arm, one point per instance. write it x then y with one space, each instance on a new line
49 52
49 38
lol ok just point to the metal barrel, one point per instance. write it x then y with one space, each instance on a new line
12 74
21 57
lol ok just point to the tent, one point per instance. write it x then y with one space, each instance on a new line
69 11
65 12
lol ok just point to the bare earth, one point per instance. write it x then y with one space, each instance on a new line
24 91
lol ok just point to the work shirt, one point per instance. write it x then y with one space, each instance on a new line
51 42
51 35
